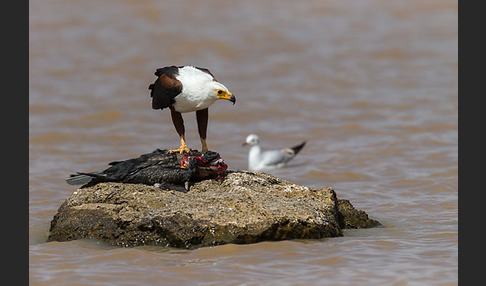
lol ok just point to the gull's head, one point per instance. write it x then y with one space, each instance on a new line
251 140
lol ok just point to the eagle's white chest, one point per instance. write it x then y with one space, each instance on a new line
197 92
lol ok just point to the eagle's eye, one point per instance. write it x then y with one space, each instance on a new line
220 91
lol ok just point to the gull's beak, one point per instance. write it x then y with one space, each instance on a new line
244 144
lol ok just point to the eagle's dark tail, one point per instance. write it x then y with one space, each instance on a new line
298 148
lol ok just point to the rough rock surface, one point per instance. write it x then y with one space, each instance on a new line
246 207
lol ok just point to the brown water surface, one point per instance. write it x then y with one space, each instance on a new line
371 85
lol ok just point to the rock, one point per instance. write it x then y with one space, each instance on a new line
353 218
246 207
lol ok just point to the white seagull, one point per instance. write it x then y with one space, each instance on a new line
271 159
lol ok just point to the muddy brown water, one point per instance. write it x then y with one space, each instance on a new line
371 85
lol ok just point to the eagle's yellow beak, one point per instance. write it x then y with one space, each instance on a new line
227 95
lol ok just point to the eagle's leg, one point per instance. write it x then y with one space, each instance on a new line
202 126
179 126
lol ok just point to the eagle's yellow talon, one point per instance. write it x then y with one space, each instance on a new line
181 150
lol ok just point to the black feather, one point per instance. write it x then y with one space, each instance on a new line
298 147
158 167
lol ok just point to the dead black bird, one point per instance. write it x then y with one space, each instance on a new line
171 170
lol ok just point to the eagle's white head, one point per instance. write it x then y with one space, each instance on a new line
219 91
199 90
